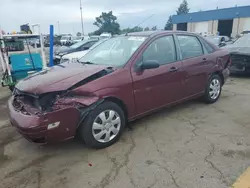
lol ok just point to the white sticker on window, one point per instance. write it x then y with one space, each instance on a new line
137 38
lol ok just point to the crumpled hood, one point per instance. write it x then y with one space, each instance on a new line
58 78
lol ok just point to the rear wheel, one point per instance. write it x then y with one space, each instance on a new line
103 126
213 89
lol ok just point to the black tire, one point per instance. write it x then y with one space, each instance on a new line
207 97
85 129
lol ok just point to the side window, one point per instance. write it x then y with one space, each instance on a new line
208 47
161 50
190 46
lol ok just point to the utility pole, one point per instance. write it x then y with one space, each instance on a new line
81 16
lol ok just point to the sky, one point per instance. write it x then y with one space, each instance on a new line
66 18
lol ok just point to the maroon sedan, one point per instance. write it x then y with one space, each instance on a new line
122 79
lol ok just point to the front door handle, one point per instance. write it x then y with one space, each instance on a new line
173 69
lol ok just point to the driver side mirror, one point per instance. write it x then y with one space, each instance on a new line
148 64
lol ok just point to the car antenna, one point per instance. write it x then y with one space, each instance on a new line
126 34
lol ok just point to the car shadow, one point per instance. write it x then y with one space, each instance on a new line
164 112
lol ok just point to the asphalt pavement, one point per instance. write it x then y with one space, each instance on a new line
192 145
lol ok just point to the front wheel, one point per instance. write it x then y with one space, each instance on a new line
213 89
103 126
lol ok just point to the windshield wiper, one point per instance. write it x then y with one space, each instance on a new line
85 62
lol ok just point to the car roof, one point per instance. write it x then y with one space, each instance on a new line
155 33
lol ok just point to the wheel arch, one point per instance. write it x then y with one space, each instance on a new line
219 73
120 103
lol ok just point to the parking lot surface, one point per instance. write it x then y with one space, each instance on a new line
192 145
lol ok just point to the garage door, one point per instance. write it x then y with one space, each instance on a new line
201 27
246 24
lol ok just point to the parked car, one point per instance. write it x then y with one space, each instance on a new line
219 41
122 79
66 40
80 46
240 55
78 55
79 39
57 39
105 35
35 43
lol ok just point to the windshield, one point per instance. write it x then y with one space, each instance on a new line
214 40
243 41
97 44
78 44
115 51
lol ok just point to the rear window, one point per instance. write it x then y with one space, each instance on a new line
190 46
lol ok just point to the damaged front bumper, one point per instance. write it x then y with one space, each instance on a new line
240 63
47 127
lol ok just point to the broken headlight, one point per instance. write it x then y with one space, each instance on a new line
45 102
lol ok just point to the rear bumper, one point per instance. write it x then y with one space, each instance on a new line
35 127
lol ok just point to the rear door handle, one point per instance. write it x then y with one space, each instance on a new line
204 59
173 69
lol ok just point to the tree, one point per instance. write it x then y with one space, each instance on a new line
146 29
154 28
169 25
107 22
183 8
131 30
78 34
